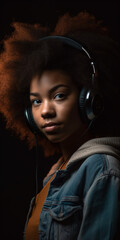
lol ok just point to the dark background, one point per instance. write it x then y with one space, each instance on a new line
18 164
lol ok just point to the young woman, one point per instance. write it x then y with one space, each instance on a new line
66 92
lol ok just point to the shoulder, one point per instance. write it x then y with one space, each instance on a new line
98 168
102 164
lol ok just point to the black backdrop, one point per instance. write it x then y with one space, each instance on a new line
18 164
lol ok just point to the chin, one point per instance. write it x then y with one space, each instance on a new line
56 138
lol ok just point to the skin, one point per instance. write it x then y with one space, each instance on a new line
54 99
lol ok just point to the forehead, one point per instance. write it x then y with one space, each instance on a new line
49 79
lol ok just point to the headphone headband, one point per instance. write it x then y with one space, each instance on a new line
74 44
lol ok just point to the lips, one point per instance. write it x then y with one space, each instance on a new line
51 126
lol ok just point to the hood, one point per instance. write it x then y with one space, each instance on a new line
106 145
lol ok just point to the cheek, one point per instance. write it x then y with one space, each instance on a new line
70 113
36 116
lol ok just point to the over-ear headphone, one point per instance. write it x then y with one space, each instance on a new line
90 104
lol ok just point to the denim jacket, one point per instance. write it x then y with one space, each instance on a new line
83 201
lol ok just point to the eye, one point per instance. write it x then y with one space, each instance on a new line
59 96
36 102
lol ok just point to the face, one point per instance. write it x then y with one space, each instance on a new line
54 99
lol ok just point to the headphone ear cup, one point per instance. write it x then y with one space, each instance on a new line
30 121
82 104
90 105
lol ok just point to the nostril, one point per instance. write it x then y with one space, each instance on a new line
48 115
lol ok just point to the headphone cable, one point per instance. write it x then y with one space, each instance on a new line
86 130
36 166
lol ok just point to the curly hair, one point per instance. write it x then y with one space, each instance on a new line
24 56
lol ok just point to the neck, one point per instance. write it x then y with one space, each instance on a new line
71 144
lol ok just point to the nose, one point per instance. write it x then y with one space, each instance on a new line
48 110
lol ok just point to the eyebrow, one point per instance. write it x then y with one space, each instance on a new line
51 90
